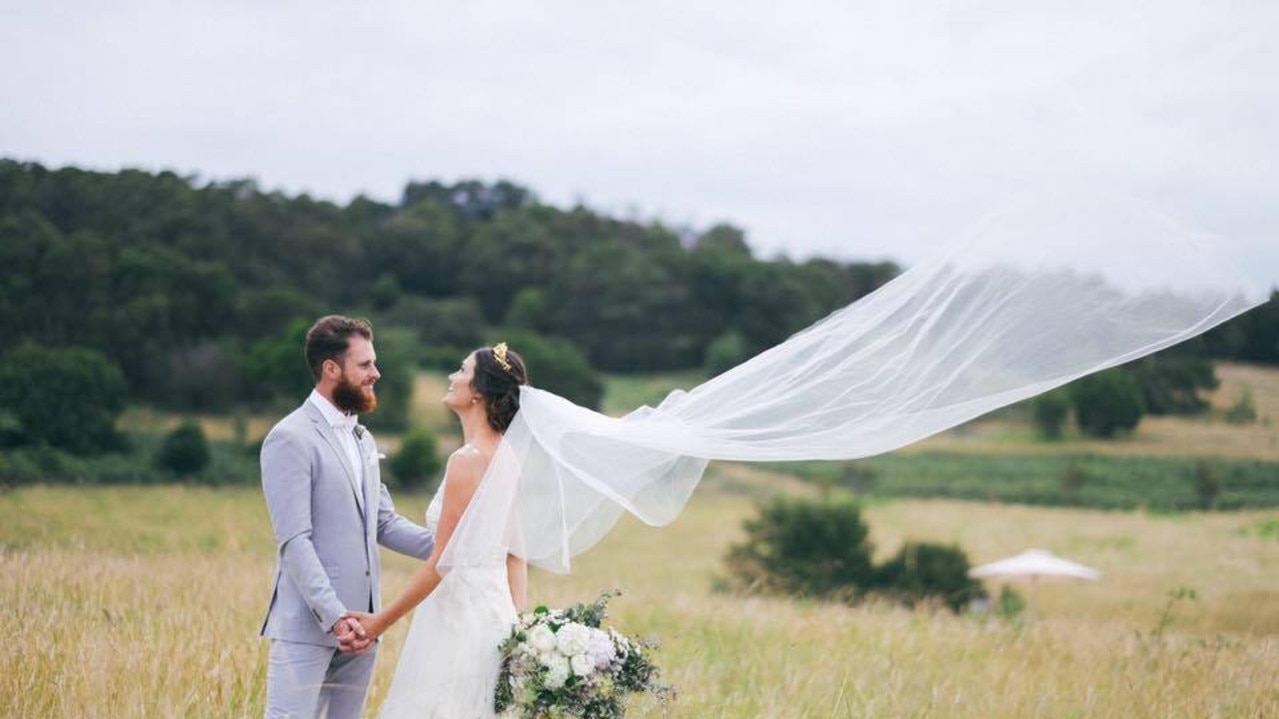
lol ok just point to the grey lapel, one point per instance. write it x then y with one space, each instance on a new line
322 426
368 453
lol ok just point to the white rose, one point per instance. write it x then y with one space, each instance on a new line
582 665
601 649
572 639
541 638
557 671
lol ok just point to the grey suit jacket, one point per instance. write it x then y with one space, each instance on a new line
326 530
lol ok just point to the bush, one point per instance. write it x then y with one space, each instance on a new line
1209 484
1050 411
922 571
804 547
1107 403
1010 604
1243 411
185 450
1073 479
66 397
417 462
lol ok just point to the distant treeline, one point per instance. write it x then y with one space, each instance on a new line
173 279
178 281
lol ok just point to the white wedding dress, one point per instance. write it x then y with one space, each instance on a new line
449 665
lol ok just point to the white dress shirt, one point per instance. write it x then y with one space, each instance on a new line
344 427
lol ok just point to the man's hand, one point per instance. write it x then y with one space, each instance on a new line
351 635
368 627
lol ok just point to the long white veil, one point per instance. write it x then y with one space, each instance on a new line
1037 296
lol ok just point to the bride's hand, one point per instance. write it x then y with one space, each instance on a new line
372 626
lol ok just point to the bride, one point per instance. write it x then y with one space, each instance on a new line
1041 295
449 666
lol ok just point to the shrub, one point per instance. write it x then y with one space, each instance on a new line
1073 479
1107 403
185 450
1050 411
859 477
1244 411
923 571
804 547
1209 483
1010 604
417 461
65 397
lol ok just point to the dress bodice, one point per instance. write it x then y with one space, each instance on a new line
433 510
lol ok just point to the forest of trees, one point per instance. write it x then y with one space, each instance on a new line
187 287
194 291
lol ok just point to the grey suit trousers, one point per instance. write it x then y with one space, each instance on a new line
295 670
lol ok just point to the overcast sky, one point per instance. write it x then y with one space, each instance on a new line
844 129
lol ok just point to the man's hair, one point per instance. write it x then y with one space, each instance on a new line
329 338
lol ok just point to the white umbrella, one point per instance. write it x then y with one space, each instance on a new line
1035 564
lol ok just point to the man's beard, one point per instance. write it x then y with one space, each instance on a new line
351 397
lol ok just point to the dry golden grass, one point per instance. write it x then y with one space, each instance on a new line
134 602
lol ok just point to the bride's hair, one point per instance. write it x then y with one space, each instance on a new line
499 385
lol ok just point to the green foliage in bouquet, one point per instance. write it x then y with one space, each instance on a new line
565 663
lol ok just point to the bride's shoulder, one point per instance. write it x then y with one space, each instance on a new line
466 460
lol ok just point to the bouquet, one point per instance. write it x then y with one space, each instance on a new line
562 663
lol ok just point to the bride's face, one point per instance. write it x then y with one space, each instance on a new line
461 393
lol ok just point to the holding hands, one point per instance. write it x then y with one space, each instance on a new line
356 631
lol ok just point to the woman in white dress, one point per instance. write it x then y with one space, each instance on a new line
449 666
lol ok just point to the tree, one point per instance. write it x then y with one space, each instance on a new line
398 365
1051 410
67 398
1107 403
557 366
1170 384
277 367
726 352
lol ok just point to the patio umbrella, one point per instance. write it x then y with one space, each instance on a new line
1034 565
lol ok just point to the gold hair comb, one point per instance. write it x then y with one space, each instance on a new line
499 354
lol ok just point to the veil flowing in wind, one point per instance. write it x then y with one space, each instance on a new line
1039 295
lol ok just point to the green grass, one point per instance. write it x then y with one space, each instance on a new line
624 393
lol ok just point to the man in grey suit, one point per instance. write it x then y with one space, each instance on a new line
329 510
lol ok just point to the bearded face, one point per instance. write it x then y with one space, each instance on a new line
354 398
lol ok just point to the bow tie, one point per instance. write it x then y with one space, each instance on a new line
349 423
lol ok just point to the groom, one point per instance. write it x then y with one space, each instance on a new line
329 510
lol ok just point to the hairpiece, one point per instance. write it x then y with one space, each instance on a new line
499 354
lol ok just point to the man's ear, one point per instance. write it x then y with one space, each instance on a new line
331 368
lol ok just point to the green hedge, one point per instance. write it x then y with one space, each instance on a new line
1080 480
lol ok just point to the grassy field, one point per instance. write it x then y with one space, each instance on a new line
143 602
